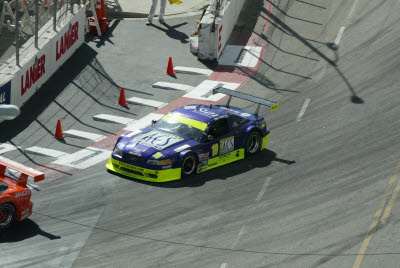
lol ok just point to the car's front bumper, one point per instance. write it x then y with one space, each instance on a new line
264 141
143 173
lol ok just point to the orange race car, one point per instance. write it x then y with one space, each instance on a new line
15 196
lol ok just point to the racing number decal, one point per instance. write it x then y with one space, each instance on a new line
215 150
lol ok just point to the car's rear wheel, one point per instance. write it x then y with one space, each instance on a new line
7 215
189 165
253 143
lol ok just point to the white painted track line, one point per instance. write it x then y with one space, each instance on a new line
143 122
147 102
4 147
190 70
223 265
246 56
204 90
84 158
263 189
173 86
303 109
113 119
339 36
83 135
44 152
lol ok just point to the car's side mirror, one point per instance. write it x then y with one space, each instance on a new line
153 122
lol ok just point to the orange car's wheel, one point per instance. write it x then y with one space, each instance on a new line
7 215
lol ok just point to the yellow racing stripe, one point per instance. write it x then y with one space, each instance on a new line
187 121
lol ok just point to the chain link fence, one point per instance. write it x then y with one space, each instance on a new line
32 16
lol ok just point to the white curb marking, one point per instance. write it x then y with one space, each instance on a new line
4 148
84 158
44 152
147 102
83 135
303 109
173 86
113 119
195 71
246 56
143 122
204 90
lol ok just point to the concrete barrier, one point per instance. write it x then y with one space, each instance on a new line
215 29
19 83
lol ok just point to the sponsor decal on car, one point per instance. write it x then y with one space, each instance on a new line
157 155
22 193
157 139
136 153
166 167
206 112
181 148
245 114
227 145
190 107
26 211
204 156
204 168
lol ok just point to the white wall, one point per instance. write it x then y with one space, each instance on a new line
212 43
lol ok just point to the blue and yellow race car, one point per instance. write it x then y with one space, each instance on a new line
191 139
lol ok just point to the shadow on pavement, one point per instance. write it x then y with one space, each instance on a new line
173 33
41 100
282 26
260 160
24 230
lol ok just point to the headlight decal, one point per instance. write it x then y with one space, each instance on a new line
159 162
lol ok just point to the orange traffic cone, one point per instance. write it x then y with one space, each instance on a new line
59 134
122 101
170 69
101 17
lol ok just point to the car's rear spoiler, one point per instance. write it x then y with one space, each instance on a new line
274 105
25 172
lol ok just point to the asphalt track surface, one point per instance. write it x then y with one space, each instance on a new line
324 193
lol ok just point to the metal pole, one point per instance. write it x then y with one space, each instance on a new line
17 31
55 15
72 6
37 23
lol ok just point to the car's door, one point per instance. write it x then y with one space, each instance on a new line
221 142
238 126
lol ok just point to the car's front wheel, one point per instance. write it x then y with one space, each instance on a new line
253 143
7 215
189 165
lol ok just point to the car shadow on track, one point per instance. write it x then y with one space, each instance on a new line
24 230
260 160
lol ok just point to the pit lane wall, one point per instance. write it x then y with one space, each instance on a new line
19 84
215 30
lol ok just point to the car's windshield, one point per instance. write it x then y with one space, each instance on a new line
170 124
